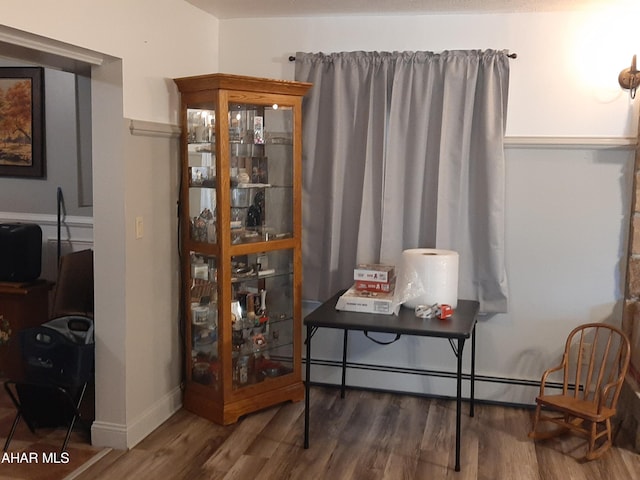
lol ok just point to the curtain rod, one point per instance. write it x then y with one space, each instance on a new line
510 55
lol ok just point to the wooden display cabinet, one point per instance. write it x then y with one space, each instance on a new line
240 209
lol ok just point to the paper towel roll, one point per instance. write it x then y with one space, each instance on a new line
437 271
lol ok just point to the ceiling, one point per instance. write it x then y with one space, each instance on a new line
227 9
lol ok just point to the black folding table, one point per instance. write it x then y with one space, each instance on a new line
456 329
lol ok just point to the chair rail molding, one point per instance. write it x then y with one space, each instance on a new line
154 129
43 219
570 142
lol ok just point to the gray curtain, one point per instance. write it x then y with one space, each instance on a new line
404 150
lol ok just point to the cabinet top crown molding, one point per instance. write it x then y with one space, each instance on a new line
241 82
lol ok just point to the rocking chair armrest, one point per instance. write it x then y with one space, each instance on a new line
547 372
604 393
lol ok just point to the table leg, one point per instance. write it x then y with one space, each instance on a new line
307 384
344 363
459 402
473 371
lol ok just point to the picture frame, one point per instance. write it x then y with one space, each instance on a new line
22 152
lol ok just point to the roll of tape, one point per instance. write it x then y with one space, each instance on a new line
426 311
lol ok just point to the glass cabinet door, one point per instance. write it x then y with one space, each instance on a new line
262 316
203 295
202 174
261 171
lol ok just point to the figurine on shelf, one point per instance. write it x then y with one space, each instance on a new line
263 318
259 171
259 340
199 229
258 200
206 214
255 175
203 227
251 313
254 214
258 130
243 176
253 217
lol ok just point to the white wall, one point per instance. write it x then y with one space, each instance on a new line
157 40
564 81
144 44
568 196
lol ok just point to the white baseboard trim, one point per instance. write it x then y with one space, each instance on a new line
111 435
124 437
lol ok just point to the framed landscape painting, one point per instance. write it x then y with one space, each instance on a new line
22 122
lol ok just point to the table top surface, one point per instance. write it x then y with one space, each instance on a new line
460 325
22 288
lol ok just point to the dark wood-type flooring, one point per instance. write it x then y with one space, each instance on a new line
45 441
368 436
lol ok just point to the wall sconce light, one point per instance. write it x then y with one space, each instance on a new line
629 78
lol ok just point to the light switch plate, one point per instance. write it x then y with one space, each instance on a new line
139 228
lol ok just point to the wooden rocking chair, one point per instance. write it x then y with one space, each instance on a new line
594 364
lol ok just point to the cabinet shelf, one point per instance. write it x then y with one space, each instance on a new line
260 275
240 214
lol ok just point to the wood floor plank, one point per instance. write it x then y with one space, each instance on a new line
436 455
555 462
105 463
509 428
406 437
237 443
329 417
368 436
630 459
284 427
352 453
379 412
470 452
247 466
